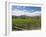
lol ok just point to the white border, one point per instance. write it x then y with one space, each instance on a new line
9 17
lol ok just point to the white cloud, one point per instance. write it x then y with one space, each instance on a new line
18 13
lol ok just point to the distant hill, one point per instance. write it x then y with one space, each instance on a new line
24 16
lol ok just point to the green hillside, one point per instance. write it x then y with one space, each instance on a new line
31 23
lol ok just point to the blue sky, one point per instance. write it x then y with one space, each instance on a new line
26 8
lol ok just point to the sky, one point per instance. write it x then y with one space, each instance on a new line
26 10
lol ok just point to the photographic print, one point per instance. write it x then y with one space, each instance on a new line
26 17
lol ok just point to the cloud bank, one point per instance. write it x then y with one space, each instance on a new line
19 13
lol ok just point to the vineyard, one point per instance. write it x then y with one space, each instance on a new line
28 23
